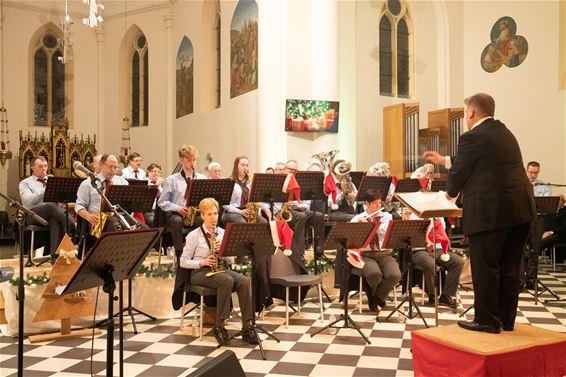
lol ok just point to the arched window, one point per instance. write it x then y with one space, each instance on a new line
139 79
48 78
396 60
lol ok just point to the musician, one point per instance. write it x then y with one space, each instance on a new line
89 199
174 195
539 188
381 169
197 257
342 192
279 167
153 179
96 163
423 258
134 170
380 270
270 170
214 170
236 211
32 190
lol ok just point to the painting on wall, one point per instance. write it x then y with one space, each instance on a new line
506 47
184 79
311 115
243 48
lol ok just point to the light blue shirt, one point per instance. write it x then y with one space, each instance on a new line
173 194
540 189
196 248
31 191
384 220
128 172
88 197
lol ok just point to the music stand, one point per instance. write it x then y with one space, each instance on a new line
406 234
341 237
137 182
357 177
312 184
114 257
408 185
249 240
62 190
219 189
439 185
137 198
268 188
373 182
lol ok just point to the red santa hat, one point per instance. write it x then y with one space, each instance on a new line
441 238
330 190
423 182
355 258
282 235
291 186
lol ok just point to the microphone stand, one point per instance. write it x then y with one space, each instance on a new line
20 219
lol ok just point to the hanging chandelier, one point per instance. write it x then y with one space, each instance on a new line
5 152
94 13
65 42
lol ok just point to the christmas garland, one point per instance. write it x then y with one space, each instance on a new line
163 271
324 265
32 280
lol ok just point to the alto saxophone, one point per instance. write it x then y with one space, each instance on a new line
97 229
252 208
218 261
285 213
189 220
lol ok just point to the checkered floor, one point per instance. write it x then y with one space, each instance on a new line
160 349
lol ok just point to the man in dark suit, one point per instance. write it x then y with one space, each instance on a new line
498 207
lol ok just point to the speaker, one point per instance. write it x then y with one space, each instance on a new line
225 364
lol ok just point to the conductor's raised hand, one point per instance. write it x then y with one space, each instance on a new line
434 156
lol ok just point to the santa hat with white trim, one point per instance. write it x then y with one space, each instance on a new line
330 190
282 235
291 186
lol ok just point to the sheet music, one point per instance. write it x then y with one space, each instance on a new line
421 201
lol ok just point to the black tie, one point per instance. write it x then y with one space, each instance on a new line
42 180
136 174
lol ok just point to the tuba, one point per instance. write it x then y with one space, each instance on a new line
218 261
326 159
252 208
343 168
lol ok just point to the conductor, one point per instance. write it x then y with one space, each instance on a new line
498 207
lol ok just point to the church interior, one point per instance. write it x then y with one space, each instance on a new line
273 80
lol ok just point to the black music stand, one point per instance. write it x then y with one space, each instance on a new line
341 237
356 177
406 234
137 198
137 182
373 182
62 190
114 257
268 188
408 185
219 189
438 185
249 240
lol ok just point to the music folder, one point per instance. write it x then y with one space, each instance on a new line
428 205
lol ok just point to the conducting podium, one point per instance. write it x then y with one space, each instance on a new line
249 240
341 237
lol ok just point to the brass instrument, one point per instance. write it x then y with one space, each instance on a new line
189 220
326 159
285 213
252 208
218 261
97 229
343 168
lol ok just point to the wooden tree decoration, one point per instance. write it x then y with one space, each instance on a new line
66 307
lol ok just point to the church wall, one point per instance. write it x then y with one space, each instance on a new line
528 97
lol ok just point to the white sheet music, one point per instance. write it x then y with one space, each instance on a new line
422 201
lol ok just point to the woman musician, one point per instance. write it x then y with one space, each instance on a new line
380 269
238 211
198 257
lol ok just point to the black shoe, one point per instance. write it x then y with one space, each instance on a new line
506 327
448 301
372 303
249 335
221 335
380 302
474 326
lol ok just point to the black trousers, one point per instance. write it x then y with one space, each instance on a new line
495 257
55 217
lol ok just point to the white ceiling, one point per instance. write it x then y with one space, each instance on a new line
78 7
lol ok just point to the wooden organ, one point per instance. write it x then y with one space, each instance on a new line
401 138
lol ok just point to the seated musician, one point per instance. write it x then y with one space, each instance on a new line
425 171
380 269
32 190
341 192
88 198
134 170
237 211
174 194
197 256
554 227
279 168
214 170
539 188
96 163
452 263
381 169
153 179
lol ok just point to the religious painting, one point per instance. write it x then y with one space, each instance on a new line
185 79
243 48
311 115
506 47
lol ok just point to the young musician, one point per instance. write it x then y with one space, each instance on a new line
236 211
134 170
153 179
174 195
32 190
198 256
380 269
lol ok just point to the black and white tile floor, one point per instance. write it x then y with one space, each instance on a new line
160 349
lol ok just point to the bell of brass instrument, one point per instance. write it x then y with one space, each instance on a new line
252 208
326 159
218 262
189 220
97 229
343 168
285 213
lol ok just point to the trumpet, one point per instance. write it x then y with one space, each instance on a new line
189 220
218 261
252 208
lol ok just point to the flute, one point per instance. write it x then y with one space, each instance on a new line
369 216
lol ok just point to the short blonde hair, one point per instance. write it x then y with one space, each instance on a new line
188 151
206 204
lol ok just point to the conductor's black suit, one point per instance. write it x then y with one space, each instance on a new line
498 207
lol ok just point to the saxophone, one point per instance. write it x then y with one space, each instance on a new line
189 220
97 229
218 261
252 208
285 213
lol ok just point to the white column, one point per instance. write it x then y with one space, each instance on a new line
169 87
99 32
